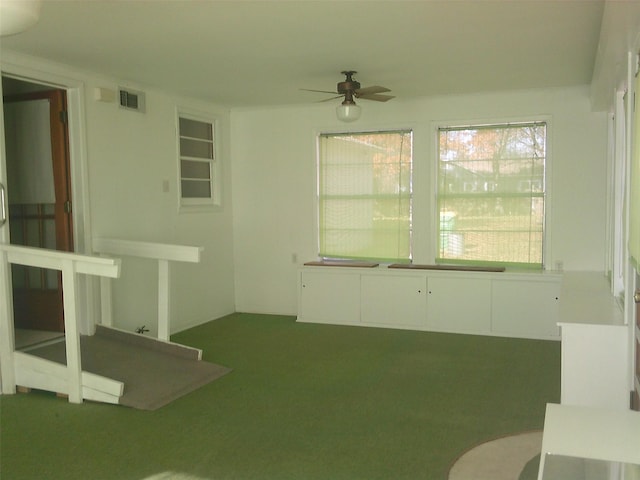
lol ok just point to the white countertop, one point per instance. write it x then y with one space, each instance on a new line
586 298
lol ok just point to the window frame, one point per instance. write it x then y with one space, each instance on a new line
197 204
547 246
317 140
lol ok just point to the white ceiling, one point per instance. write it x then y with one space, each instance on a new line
251 53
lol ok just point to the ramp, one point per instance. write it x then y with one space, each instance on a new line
152 373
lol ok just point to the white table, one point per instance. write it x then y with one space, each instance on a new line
603 435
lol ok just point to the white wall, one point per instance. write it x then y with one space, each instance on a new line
274 181
128 157
273 226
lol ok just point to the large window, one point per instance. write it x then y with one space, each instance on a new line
197 156
491 194
364 186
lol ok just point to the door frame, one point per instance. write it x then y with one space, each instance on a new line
88 307
39 306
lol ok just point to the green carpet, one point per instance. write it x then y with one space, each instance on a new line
304 401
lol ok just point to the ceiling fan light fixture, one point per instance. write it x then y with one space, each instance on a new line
348 111
18 15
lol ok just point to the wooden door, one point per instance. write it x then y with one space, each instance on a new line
39 199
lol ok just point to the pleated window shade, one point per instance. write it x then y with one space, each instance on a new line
491 194
365 195
634 192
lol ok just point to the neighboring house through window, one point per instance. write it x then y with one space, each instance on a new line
491 194
365 195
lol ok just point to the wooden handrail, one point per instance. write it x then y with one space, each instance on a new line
54 259
163 253
158 251
70 264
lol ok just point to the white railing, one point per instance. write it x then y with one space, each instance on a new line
163 253
71 265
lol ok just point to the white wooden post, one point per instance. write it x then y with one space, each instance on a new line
72 335
7 340
70 264
106 307
164 254
164 302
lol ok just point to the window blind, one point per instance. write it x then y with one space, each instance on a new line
491 194
365 192
634 192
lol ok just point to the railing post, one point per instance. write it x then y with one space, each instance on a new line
106 307
163 254
164 303
7 340
72 335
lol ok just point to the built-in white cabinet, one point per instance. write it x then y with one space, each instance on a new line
394 300
459 304
594 365
595 344
521 305
329 296
516 309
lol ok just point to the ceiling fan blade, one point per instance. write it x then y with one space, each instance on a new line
376 97
369 90
329 99
318 91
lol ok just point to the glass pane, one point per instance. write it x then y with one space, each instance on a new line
196 148
196 129
196 189
195 170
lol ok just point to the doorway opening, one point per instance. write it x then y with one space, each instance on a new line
39 201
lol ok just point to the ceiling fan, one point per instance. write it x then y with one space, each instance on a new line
348 111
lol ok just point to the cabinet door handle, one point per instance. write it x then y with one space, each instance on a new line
636 296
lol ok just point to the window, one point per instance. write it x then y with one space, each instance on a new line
364 185
491 194
198 166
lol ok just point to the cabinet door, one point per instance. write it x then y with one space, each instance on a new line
394 300
594 359
459 304
526 309
329 297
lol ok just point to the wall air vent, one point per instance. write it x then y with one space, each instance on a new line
131 99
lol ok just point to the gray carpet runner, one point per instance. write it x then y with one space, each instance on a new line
154 374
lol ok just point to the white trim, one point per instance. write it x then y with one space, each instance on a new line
213 203
46 74
618 163
548 260
363 132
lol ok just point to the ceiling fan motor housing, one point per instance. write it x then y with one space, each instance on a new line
344 87
349 86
